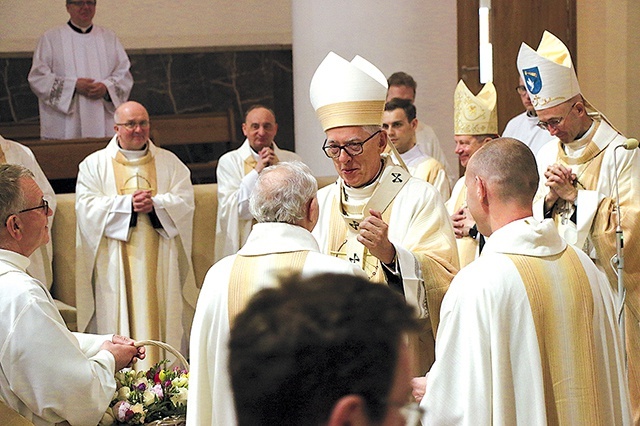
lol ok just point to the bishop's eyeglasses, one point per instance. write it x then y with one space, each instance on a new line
351 148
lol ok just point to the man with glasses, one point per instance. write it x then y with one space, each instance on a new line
134 215
377 216
528 334
15 153
47 374
334 353
578 179
80 74
524 127
237 173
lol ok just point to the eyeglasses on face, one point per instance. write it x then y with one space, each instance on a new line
555 122
351 148
131 125
82 3
522 90
44 206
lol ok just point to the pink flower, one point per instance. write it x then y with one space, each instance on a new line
157 389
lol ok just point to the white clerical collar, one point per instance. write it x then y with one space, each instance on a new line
576 147
363 192
134 155
412 154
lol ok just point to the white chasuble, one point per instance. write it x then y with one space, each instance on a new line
419 228
591 158
135 279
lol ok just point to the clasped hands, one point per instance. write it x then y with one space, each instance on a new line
562 183
90 88
141 201
267 158
462 222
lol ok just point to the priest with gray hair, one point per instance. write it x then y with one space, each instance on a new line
285 205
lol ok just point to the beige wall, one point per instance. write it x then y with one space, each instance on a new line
148 24
609 59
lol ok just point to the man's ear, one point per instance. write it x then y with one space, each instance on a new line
349 410
383 140
481 190
14 227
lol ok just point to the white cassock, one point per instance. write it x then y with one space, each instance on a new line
210 396
47 373
426 138
103 217
489 349
236 179
61 57
525 129
15 153
425 167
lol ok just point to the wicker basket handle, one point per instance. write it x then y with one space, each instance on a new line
166 347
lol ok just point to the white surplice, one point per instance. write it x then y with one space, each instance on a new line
427 140
103 218
61 57
234 220
47 373
488 367
425 167
210 396
15 153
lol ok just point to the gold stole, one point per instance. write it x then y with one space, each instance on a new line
467 246
145 300
247 275
567 348
344 227
8 416
249 164
587 169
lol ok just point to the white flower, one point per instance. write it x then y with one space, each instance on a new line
123 393
148 398
180 398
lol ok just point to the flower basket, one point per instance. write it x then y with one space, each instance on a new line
155 397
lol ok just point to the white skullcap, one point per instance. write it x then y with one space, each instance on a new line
348 93
475 115
548 73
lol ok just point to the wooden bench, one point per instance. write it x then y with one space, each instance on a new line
59 159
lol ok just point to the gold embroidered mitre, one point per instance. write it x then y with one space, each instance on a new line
475 115
348 93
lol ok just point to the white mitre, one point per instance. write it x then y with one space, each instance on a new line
475 115
548 73
348 93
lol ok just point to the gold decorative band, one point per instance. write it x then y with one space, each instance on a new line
355 113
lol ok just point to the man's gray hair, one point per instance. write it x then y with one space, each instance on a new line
12 198
282 192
